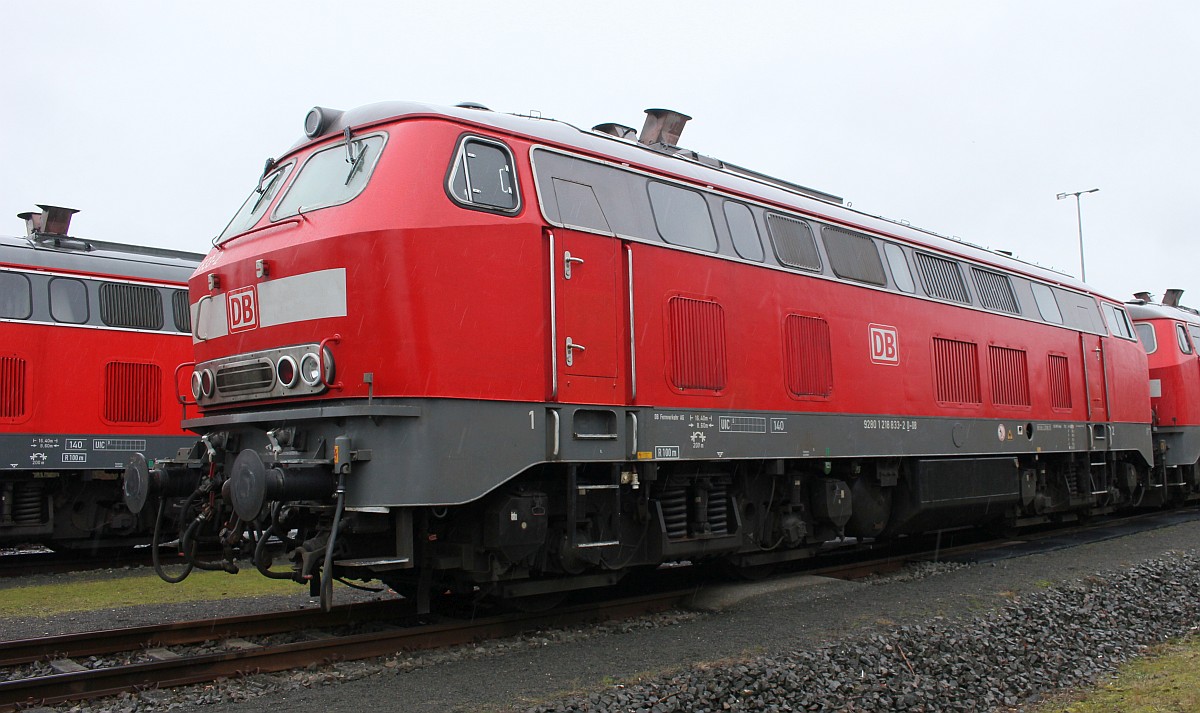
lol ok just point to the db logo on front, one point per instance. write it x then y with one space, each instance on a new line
885 344
241 308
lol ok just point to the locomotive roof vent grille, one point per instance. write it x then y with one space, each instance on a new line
181 311
793 242
246 377
995 291
942 278
853 256
132 306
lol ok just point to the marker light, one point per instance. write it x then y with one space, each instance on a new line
285 371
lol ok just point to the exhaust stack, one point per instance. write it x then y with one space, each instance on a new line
663 126
1171 297
618 130
52 221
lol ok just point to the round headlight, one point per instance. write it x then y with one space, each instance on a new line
310 369
285 371
196 385
206 382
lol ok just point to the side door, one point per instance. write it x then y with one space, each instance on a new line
588 314
1095 377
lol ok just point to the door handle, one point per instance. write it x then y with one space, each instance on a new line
571 347
567 260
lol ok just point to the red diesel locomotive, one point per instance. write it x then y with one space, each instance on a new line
1170 333
455 349
93 333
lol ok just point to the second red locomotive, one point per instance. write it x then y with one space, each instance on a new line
455 349
92 335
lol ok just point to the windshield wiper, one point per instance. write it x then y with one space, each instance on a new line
354 158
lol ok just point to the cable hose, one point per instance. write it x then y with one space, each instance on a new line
188 547
264 568
327 570
154 543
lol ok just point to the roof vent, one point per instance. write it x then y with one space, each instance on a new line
472 105
618 130
1171 298
663 126
53 220
1143 297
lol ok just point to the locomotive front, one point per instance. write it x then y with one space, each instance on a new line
334 342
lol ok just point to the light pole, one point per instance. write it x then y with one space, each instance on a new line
1079 217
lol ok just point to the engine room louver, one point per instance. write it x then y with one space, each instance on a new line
809 365
1010 376
12 387
956 371
698 344
132 392
1060 381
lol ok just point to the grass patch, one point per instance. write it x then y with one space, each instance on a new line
88 595
1167 679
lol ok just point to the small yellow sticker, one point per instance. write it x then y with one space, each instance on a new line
645 455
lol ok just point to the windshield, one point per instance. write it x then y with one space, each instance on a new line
258 202
331 176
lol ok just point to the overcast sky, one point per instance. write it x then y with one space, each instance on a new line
967 118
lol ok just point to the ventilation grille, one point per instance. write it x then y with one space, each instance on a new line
1010 376
995 291
698 341
132 306
853 256
956 371
793 242
245 377
12 387
132 392
942 278
809 361
181 310
1060 381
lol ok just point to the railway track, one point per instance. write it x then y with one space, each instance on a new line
155 665
201 651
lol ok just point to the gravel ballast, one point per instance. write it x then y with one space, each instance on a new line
981 637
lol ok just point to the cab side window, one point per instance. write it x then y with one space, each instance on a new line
1181 335
483 177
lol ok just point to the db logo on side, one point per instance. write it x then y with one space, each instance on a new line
885 345
241 307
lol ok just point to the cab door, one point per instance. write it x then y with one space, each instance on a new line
588 314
